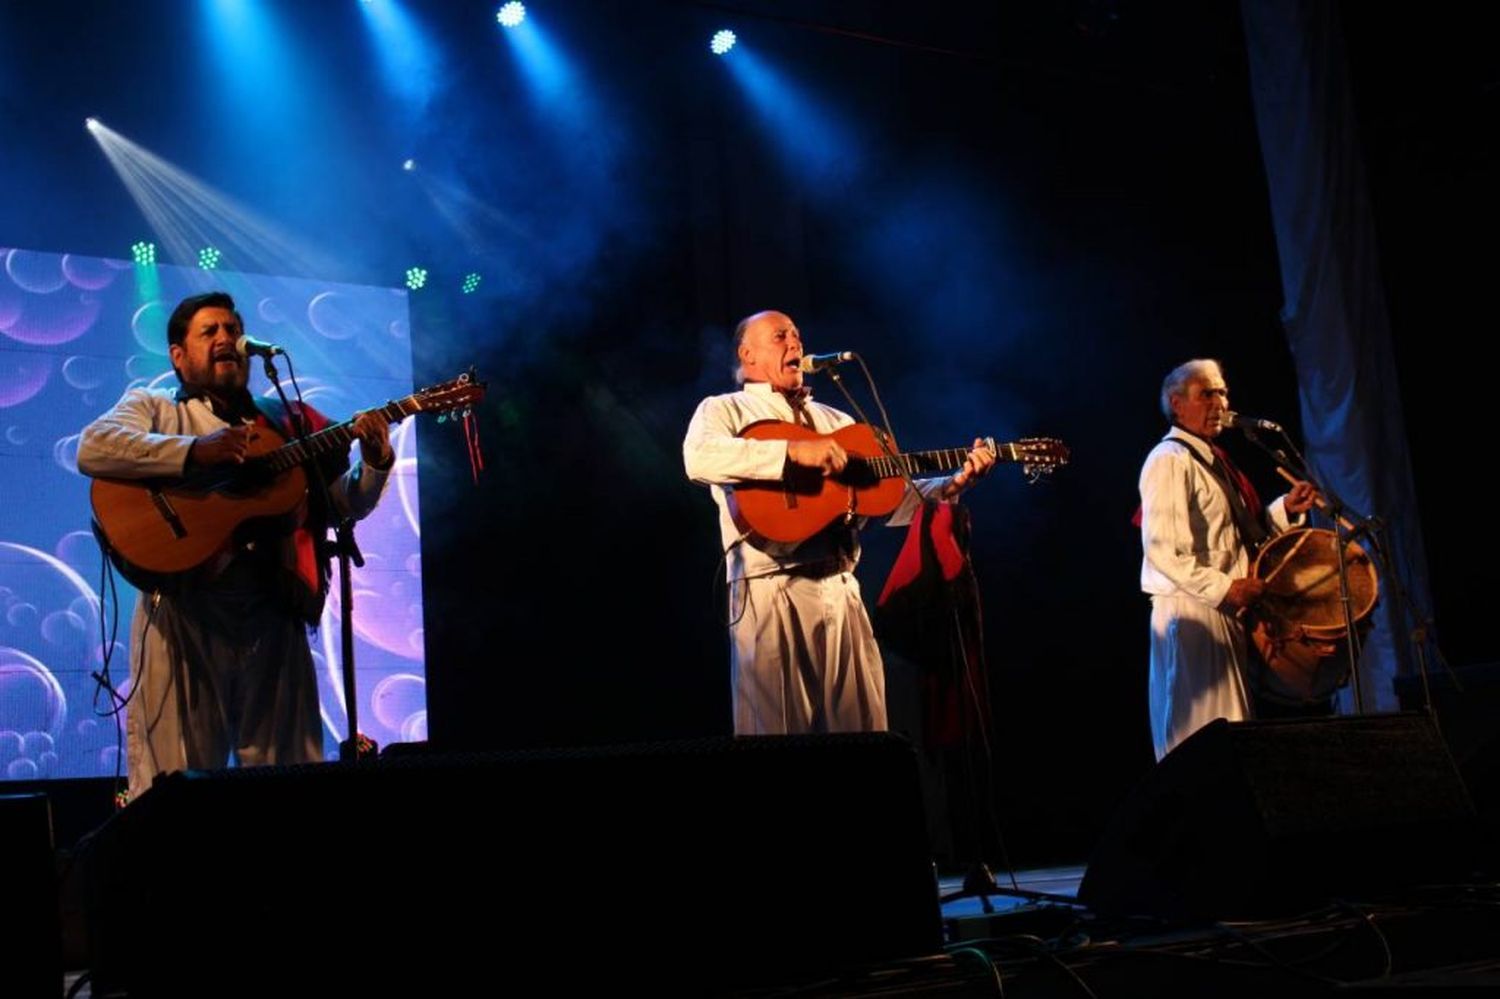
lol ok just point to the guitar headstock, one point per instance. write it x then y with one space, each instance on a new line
1039 456
457 395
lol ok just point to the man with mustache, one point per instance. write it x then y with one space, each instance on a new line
220 661
1201 522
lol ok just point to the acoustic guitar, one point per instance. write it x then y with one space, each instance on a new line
804 500
160 527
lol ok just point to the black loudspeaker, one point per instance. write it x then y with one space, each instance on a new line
30 931
1254 819
691 867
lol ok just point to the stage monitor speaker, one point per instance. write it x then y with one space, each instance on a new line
690 867
1254 819
30 930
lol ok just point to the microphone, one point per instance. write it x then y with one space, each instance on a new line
1233 419
247 345
817 362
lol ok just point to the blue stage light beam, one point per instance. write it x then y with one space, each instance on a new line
408 59
722 42
816 145
186 214
549 75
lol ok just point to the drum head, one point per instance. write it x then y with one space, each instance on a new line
1301 571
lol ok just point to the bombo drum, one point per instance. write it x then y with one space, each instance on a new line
1299 628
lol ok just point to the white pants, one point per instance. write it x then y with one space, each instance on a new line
803 657
1198 661
220 672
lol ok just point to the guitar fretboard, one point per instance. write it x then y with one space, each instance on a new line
923 462
332 438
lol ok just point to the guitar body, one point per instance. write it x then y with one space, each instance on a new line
159 527
805 501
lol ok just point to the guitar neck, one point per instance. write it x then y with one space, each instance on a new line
929 462
331 438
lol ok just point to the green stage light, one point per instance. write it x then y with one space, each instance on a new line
416 277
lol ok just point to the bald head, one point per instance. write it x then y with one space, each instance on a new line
769 348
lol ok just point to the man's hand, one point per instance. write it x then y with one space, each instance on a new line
977 465
222 447
373 430
821 453
1242 593
1302 497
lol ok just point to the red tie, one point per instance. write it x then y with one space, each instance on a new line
1241 482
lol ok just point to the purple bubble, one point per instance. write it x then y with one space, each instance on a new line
396 698
87 272
34 744
22 376
21 770
149 325
144 368
15 435
10 745
10 305
55 320
107 757
87 372
330 315
271 311
31 699
40 273
62 627
399 329
414 729
80 551
65 453
20 614
47 764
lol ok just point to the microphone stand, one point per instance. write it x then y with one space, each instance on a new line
353 748
980 881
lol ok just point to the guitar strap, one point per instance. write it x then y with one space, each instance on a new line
303 556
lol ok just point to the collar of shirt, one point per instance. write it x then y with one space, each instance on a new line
792 404
1197 443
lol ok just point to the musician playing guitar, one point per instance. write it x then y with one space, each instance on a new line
803 657
220 660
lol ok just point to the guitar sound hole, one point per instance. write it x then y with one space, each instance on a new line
858 474
800 481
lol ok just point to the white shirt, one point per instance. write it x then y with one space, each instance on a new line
149 433
1187 528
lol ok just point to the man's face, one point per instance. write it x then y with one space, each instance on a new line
771 350
206 357
1200 409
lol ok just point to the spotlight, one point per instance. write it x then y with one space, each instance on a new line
471 283
143 253
416 277
208 258
409 165
722 42
511 14
91 123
